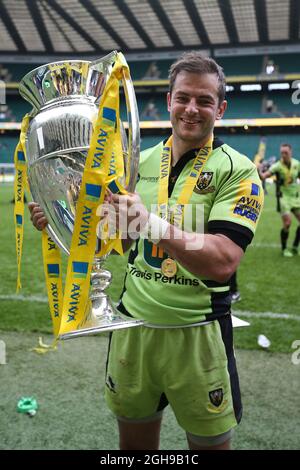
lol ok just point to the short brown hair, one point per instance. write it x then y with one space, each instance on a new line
286 145
195 62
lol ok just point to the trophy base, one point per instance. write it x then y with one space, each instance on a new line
102 316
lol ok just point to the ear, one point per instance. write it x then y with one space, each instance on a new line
169 101
221 110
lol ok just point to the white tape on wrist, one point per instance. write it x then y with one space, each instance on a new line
155 229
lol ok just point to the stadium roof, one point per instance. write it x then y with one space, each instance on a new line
141 26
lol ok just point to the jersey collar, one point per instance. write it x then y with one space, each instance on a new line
183 160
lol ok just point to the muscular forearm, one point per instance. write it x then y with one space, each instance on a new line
215 257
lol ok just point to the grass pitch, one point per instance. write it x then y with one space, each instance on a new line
267 281
68 383
68 386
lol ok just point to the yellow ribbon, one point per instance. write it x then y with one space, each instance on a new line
103 169
189 184
20 184
43 348
53 276
104 166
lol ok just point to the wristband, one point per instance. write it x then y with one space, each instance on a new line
155 229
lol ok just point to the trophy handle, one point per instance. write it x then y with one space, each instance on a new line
57 240
133 134
132 162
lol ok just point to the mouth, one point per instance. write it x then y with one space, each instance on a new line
190 122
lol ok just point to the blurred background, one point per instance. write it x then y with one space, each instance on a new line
255 41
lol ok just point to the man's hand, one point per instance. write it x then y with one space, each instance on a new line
263 174
37 216
130 214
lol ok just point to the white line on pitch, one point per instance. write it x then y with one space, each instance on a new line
265 245
24 298
242 313
275 316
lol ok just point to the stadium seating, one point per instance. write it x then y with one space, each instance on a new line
153 107
247 144
286 63
7 147
233 66
250 65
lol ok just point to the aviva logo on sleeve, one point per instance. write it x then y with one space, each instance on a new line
249 201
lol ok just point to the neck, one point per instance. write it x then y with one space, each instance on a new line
179 147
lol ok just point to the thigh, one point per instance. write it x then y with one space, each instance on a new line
286 218
204 393
286 205
139 435
133 388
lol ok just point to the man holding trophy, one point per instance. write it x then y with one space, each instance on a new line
177 281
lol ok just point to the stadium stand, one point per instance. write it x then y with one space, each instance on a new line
7 148
151 99
286 63
251 65
159 69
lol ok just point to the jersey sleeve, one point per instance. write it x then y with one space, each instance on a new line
274 168
237 206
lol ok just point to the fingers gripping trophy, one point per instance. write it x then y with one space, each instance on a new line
76 151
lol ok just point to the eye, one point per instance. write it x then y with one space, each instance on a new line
181 99
205 102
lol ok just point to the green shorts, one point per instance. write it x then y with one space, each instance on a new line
191 368
289 204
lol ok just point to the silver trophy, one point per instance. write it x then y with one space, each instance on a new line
65 97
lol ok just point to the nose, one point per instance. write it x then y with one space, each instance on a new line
191 106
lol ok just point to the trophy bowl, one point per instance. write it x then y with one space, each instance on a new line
65 97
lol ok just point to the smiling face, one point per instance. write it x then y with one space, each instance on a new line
194 106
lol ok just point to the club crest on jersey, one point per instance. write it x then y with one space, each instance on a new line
216 397
202 186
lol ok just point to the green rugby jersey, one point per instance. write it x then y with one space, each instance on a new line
287 177
230 191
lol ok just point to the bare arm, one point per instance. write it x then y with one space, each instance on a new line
213 256
264 174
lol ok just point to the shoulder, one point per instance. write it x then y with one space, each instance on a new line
239 160
275 167
150 152
229 162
